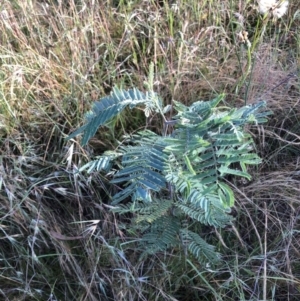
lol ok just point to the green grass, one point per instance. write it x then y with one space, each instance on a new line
58 238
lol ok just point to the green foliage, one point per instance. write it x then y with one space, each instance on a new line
143 166
165 179
109 107
200 248
160 235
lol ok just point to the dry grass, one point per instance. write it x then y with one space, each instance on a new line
59 240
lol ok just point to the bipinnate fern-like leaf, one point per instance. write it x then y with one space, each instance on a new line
101 163
145 212
204 147
158 208
203 251
215 215
111 106
161 234
143 166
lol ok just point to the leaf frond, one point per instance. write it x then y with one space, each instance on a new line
110 106
204 252
143 165
161 234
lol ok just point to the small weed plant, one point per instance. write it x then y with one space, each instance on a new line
174 182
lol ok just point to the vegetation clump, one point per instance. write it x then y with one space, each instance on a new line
176 177
142 208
